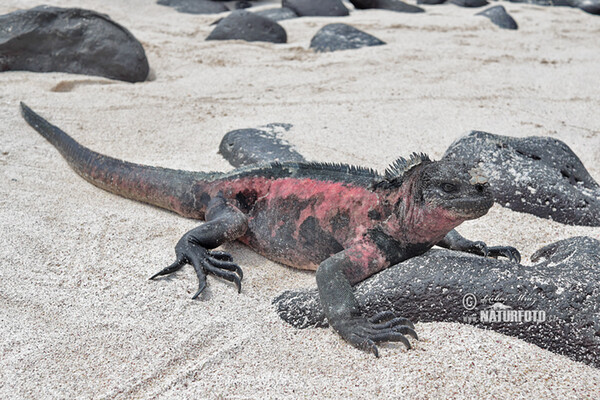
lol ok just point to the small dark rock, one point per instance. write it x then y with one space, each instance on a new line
52 39
334 37
240 5
438 285
537 175
589 6
431 2
277 14
500 17
194 6
391 5
248 26
317 8
244 147
470 3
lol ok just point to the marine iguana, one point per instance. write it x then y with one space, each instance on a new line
345 222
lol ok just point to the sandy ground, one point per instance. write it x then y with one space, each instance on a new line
78 316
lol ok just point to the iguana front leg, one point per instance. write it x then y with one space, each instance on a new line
224 223
455 241
334 278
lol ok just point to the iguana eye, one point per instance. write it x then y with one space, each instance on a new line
449 187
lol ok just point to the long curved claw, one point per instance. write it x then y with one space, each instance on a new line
223 273
196 262
505 251
201 287
382 317
397 321
406 330
391 337
480 248
365 334
176 266
220 255
227 265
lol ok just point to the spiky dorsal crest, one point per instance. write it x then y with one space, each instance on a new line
338 167
402 166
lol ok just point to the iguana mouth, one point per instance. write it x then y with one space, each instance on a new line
471 208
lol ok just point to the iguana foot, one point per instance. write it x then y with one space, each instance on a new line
505 251
366 333
482 249
454 241
205 262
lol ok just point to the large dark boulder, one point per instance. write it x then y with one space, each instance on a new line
334 37
499 17
244 25
537 175
391 5
317 8
52 39
554 304
195 6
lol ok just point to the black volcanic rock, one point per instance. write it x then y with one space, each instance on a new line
537 175
589 6
562 292
73 40
195 6
250 146
317 8
334 37
500 17
244 25
277 14
391 5
470 3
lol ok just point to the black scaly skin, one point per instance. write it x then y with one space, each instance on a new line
346 222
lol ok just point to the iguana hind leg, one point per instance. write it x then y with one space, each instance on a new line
224 223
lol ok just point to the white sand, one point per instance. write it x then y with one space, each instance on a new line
78 316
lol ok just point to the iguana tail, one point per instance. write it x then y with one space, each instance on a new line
172 189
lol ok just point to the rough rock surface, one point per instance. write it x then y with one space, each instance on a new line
391 5
500 17
195 6
334 37
255 146
537 175
73 40
244 25
562 292
277 14
317 8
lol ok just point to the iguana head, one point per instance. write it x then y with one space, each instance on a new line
461 190
430 198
